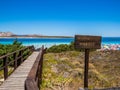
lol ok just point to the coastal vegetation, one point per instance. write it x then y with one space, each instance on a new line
5 49
61 48
64 48
63 68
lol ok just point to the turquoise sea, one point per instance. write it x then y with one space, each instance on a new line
47 42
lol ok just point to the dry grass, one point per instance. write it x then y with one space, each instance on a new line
66 70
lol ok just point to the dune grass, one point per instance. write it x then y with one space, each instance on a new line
65 70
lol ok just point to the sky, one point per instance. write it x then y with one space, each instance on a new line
61 17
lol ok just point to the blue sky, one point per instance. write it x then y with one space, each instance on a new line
61 17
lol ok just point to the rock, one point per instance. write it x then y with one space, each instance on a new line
80 88
66 74
54 69
63 67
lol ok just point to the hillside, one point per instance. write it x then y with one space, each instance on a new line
10 34
65 71
6 34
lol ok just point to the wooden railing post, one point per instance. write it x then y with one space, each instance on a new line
19 60
41 66
5 64
31 48
15 60
21 54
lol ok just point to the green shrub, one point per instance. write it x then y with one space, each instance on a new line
5 49
61 48
65 47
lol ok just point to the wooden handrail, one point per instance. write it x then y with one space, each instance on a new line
31 47
34 77
17 59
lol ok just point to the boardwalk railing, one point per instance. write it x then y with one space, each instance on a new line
17 59
34 78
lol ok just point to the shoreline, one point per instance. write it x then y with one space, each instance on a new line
105 45
36 37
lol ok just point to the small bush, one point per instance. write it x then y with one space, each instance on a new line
5 49
65 47
61 48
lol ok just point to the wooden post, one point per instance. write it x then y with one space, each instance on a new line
32 49
87 42
21 54
41 65
5 67
19 60
15 60
39 74
86 68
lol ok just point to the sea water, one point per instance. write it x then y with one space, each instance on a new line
48 42
111 40
37 42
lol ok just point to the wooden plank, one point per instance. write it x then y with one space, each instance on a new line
17 79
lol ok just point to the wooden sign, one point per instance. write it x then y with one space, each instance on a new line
87 42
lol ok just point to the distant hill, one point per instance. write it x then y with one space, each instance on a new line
6 34
10 34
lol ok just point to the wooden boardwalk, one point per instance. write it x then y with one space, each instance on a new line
16 80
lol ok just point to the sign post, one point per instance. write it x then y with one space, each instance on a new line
87 42
86 67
